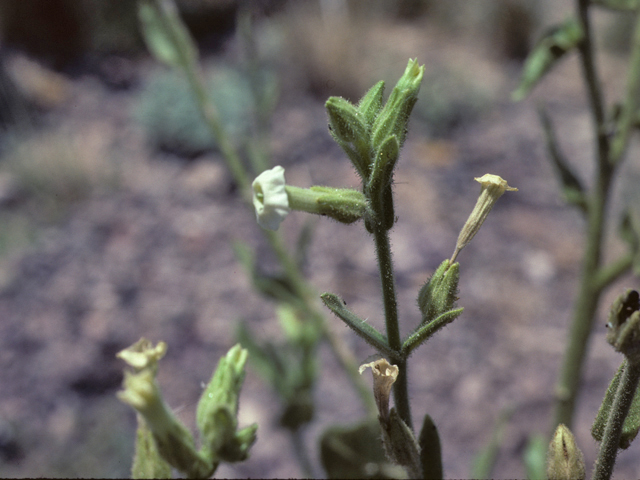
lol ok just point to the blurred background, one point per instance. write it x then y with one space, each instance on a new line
117 213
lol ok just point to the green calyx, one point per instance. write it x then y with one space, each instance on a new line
218 408
341 204
437 302
440 294
394 116
624 326
564 458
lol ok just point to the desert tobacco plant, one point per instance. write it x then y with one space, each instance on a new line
371 133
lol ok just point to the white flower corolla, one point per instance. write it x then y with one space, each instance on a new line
270 198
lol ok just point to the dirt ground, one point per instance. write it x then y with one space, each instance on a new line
152 257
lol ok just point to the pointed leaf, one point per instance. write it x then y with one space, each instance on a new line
367 332
571 185
552 47
535 457
430 450
425 331
165 34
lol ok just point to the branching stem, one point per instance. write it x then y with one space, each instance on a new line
591 286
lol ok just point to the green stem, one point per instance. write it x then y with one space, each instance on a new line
609 274
589 292
630 105
210 114
385 264
207 109
612 432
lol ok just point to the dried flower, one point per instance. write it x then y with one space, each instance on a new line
384 376
270 198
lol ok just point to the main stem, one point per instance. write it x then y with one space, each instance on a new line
613 430
385 264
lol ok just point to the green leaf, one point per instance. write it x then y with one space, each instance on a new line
356 452
552 47
631 424
369 106
217 410
165 34
349 130
369 333
535 457
570 184
425 331
430 450
485 460
273 287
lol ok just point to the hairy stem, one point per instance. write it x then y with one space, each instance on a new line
612 432
385 264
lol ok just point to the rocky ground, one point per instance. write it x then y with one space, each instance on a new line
150 256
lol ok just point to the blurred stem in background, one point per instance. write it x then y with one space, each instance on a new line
596 277
171 43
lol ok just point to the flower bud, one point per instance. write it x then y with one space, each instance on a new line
394 117
218 408
384 376
624 326
401 446
440 294
493 187
270 198
564 458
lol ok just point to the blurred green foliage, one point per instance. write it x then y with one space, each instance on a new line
172 120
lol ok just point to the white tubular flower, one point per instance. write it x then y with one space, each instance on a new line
270 198
493 187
